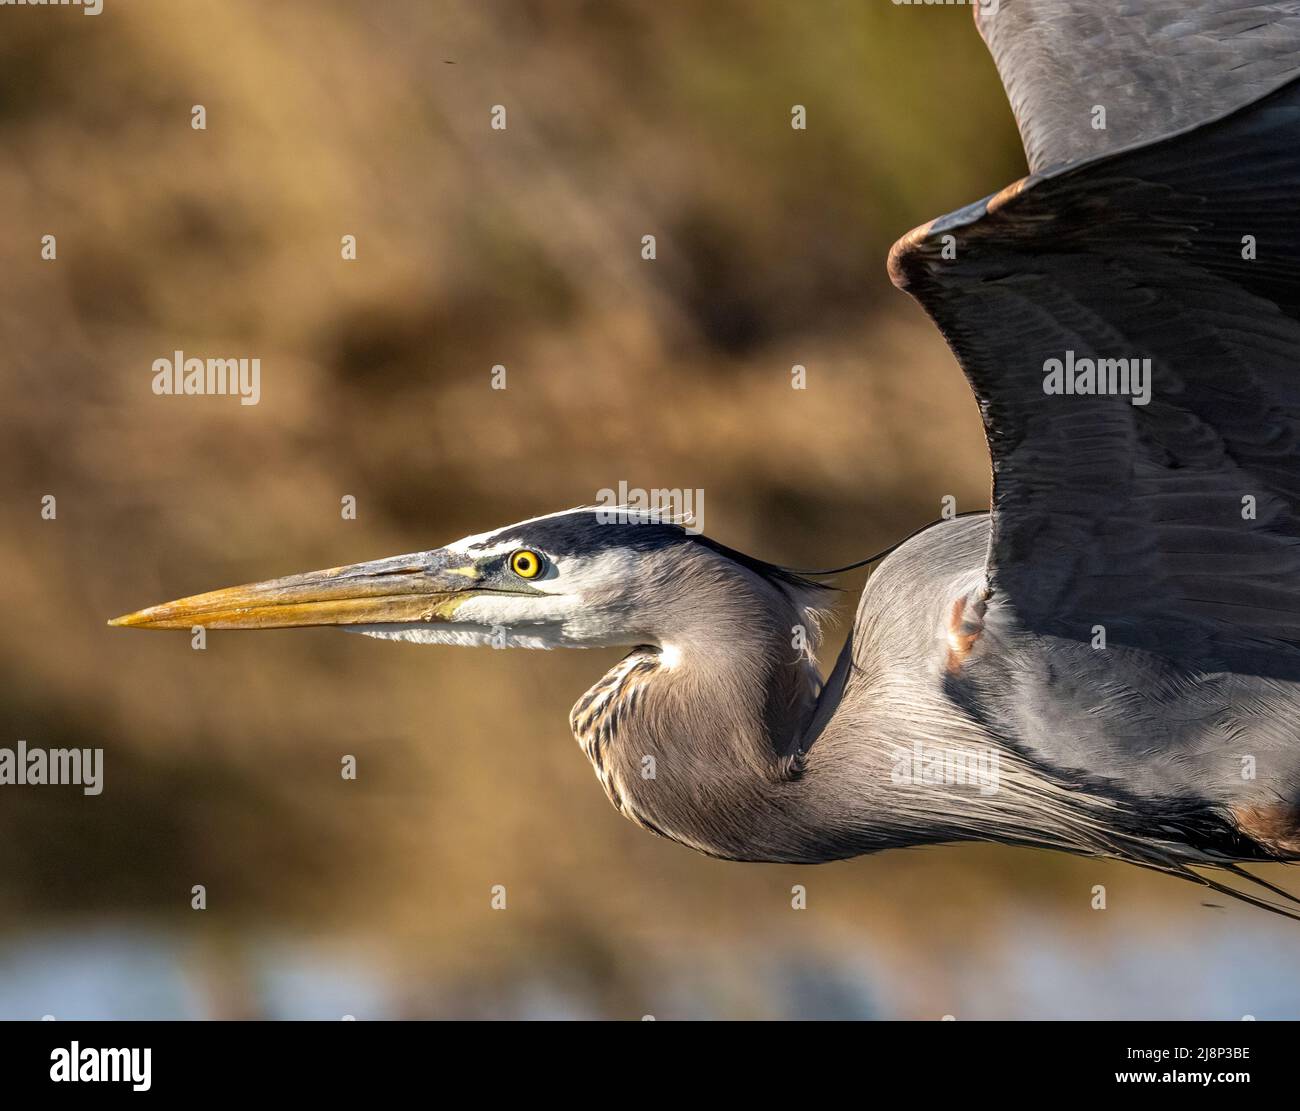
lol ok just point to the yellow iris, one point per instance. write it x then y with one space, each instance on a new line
526 564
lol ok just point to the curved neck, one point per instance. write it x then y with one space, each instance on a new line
696 739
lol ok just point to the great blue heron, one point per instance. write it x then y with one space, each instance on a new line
1118 641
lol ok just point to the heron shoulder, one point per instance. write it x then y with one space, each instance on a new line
907 604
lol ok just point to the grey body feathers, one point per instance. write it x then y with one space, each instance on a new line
710 752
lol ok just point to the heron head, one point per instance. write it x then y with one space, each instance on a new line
576 579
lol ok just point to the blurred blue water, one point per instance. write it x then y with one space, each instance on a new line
1037 971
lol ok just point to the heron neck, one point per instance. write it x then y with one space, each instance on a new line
697 740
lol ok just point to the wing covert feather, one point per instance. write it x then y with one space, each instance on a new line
1174 520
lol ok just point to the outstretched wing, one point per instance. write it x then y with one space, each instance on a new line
1155 66
1167 510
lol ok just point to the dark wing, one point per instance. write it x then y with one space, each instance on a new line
1156 66
1172 523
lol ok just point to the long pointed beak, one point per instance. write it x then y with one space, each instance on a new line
424 586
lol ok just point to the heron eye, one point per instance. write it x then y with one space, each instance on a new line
526 564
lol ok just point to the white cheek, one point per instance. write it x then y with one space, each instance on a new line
511 611
590 577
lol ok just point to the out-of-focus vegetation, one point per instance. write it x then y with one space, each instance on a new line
475 247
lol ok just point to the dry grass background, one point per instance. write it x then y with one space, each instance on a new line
476 247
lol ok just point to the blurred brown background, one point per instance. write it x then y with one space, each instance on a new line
476 247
